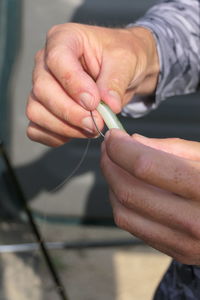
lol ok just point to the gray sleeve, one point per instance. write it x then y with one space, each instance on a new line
175 25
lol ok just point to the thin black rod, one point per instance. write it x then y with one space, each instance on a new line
59 286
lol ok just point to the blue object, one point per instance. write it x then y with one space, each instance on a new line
180 282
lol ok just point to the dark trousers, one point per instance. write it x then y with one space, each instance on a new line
180 282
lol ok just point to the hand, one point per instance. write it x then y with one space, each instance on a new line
155 191
80 65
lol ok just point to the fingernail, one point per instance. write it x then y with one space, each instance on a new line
116 97
88 124
86 100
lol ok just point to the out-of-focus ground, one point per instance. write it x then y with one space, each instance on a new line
117 273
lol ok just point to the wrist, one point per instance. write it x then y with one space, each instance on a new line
147 53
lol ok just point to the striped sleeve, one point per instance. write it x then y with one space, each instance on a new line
176 28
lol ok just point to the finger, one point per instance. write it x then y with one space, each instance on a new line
39 115
48 91
153 166
173 243
153 203
63 58
114 79
43 136
176 146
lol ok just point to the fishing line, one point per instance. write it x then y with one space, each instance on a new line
111 121
66 180
82 158
95 124
75 169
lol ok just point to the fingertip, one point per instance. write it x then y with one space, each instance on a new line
115 101
113 138
112 99
115 132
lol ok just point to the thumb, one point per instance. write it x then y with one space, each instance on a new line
176 146
114 79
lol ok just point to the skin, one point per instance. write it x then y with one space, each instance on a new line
158 198
154 183
80 65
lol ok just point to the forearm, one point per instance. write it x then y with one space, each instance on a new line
176 28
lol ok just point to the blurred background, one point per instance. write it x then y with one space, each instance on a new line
79 210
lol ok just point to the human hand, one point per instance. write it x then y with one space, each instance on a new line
81 64
155 191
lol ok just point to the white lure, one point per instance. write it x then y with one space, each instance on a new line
109 116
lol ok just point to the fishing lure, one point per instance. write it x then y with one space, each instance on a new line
108 116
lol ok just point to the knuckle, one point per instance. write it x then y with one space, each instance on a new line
189 253
30 111
115 82
143 167
67 78
118 219
52 57
57 29
38 55
119 84
191 226
67 116
38 87
52 30
119 52
30 132
125 196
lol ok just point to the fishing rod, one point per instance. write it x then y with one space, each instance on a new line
54 274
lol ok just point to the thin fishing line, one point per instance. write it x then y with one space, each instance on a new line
44 224
95 124
44 227
75 169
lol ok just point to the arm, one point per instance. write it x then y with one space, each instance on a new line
176 28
